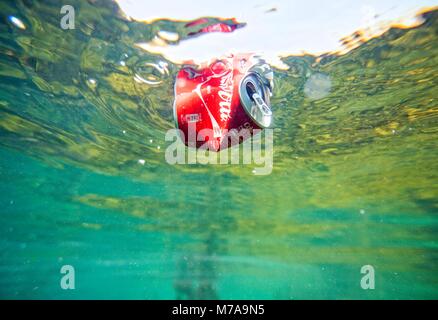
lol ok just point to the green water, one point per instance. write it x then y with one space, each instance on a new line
354 180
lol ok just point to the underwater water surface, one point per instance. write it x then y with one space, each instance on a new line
84 181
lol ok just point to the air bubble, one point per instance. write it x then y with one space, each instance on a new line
17 22
151 73
92 83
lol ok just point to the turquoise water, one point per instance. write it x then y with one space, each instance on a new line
354 180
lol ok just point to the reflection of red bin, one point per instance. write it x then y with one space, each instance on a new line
230 93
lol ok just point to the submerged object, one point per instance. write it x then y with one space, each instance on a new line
221 103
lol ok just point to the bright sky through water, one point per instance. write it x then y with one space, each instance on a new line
294 27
